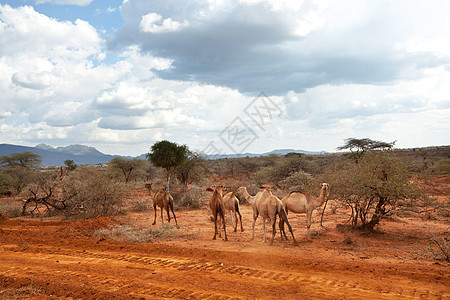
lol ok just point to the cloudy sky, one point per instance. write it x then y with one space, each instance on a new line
224 75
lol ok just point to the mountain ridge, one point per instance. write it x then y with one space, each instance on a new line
86 155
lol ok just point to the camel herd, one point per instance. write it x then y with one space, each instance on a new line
264 203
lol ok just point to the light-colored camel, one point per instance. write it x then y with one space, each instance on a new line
269 206
242 191
298 202
231 203
217 208
163 200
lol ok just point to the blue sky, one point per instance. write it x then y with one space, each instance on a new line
231 76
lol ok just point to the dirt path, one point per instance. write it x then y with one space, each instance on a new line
52 259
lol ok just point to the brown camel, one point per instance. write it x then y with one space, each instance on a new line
163 200
231 203
269 206
217 208
298 202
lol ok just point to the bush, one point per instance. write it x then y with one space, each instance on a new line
89 193
6 184
290 165
9 210
439 246
188 198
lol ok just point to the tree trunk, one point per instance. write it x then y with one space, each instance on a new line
376 217
168 181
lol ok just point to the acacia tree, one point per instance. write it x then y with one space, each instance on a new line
127 166
358 147
190 169
18 170
70 164
378 184
168 155
26 160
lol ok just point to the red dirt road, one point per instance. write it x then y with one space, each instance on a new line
61 260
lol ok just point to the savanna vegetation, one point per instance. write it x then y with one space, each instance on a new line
372 178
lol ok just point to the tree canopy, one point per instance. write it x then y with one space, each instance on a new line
358 147
25 159
374 187
168 155
127 166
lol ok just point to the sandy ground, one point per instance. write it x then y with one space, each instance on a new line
52 259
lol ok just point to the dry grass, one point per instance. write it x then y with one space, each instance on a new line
9 209
24 292
136 234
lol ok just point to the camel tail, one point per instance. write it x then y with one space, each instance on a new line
236 206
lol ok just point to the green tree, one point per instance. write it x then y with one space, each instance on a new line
127 166
287 170
70 164
18 170
377 185
191 169
26 160
358 147
168 155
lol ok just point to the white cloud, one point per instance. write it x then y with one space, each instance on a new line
66 2
154 23
178 72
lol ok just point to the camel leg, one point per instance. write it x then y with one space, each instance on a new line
308 225
168 214
171 207
273 229
154 221
264 229
215 225
283 217
240 219
235 217
222 215
253 226
282 232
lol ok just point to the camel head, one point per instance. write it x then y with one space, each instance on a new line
241 190
216 187
325 187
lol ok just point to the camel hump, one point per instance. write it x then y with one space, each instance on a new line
298 192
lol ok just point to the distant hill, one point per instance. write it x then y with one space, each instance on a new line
72 149
277 152
81 155
84 155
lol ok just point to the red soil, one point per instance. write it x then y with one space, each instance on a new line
48 258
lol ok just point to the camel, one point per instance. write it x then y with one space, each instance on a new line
162 199
242 191
269 206
298 202
217 207
231 203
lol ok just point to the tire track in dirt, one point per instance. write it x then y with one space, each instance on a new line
103 282
319 283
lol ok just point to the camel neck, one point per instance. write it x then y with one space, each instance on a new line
247 196
322 196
